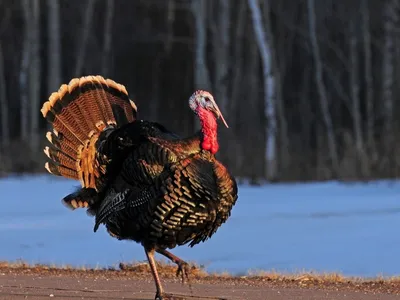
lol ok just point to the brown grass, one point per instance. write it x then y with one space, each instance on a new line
308 280
169 270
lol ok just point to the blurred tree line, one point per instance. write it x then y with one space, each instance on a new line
308 87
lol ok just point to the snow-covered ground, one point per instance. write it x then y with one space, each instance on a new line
325 227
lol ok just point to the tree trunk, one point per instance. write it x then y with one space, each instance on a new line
238 54
201 74
5 134
390 19
355 96
24 72
284 152
87 24
105 61
252 131
35 78
263 43
221 49
368 77
309 161
321 86
221 45
238 75
170 25
54 46
154 105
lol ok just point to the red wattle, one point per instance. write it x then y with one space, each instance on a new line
209 129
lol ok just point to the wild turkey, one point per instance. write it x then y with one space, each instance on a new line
143 182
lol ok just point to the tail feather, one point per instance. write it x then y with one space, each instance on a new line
79 112
81 198
60 170
60 158
62 144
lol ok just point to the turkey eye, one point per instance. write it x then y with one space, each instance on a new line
206 99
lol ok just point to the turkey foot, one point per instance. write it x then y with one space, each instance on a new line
183 266
159 297
183 270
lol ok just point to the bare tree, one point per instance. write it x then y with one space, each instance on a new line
269 88
4 112
238 53
276 69
170 22
105 61
154 105
305 109
202 77
237 77
24 71
54 46
34 76
391 16
321 86
368 75
254 130
221 45
87 24
30 73
201 74
355 93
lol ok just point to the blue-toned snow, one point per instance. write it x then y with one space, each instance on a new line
325 227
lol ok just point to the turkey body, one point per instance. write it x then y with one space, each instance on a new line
167 191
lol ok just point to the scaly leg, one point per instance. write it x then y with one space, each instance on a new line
152 263
183 266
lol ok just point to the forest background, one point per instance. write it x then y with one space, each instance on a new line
309 88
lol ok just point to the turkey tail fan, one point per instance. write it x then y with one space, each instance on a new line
79 112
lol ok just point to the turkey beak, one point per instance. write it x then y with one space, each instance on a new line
219 114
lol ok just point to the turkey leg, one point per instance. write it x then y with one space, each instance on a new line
152 263
183 266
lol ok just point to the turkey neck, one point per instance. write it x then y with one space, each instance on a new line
209 130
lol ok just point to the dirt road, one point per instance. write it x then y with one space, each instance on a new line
36 283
